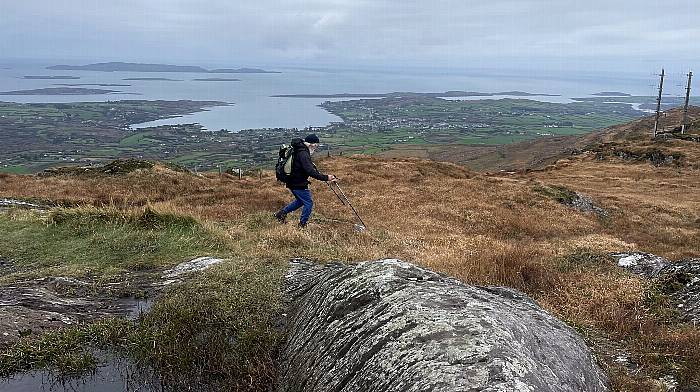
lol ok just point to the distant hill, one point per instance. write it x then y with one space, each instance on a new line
139 67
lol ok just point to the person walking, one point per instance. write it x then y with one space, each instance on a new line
298 182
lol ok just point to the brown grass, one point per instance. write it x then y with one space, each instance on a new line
482 229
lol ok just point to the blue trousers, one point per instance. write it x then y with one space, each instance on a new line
302 198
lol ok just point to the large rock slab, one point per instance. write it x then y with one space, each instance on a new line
391 326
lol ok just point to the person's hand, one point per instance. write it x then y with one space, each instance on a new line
332 178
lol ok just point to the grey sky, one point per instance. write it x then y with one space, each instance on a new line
610 34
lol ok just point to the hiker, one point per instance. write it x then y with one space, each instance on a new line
298 181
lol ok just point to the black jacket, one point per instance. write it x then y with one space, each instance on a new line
302 167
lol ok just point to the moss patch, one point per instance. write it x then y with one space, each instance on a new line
106 242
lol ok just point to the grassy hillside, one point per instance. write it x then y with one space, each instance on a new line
544 151
483 229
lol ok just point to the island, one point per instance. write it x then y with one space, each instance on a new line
49 77
216 80
525 94
155 79
446 94
242 70
342 95
60 91
611 94
92 84
139 67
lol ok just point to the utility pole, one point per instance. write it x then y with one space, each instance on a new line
658 104
685 108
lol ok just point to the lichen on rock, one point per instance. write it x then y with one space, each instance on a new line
389 325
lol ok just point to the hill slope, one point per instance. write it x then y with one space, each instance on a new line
541 152
519 230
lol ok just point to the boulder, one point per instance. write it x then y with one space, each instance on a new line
389 325
645 264
680 280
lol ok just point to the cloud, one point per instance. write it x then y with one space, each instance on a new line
352 31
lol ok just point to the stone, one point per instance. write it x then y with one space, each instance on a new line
195 265
389 325
645 264
12 203
585 203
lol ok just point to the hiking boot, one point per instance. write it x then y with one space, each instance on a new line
302 225
281 216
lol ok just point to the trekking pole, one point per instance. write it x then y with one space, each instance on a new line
336 193
350 204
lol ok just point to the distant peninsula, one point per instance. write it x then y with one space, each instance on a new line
60 91
611 94
138 67
216 80
155 79
48 77
447 94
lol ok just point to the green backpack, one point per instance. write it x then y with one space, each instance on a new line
283 168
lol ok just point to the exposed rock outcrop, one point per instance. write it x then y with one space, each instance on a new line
680 280
573 199
391 326
12 203
194 265
645 264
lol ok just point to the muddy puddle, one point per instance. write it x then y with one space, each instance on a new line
113 375
32 307
39 305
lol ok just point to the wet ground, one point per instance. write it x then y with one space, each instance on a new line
34 306
113 375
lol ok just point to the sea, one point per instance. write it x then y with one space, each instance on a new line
253 104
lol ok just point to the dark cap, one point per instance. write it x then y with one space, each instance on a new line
312 139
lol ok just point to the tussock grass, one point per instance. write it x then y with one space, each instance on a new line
216 330
68 351
101 243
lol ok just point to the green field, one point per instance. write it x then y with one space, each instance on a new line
36 136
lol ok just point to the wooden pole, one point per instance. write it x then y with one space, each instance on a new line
658 104
685 107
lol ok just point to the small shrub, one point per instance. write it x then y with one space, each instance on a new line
558 193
